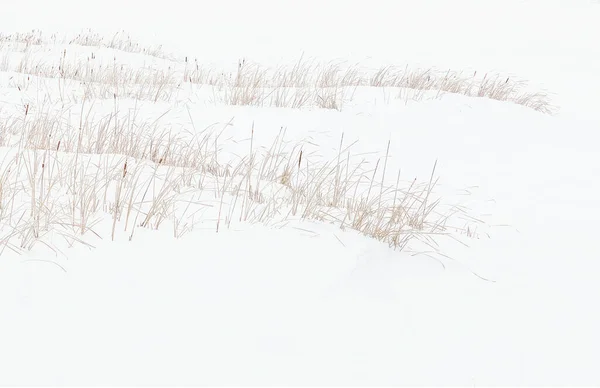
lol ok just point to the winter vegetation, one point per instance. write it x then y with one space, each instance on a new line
406 202
306 83
90 134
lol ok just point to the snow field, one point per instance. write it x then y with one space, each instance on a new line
114 182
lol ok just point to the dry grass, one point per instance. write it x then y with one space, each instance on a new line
65 167
121 41
304 84
490 86
57 178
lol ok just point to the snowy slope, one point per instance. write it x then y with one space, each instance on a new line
506 297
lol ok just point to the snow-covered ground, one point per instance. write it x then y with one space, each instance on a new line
236 244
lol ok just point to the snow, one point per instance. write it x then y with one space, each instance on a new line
304 302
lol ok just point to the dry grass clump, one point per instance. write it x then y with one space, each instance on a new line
121 41
490 86
57 178
42 128
305 84
302 85
30 38
247 86
346 192
89 78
